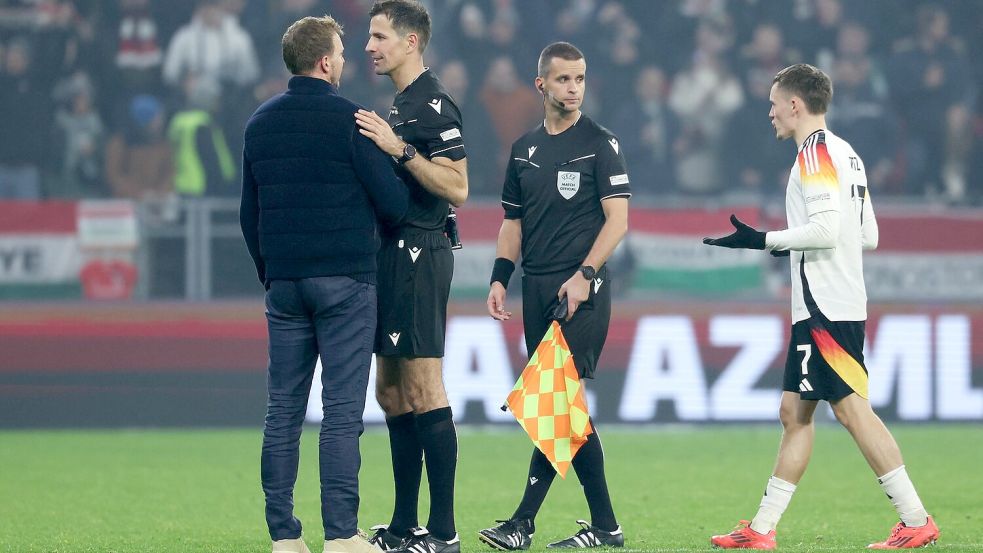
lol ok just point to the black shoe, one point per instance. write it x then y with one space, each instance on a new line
510 535
420 541
589 536
383 539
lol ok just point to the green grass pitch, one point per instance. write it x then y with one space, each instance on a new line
198 490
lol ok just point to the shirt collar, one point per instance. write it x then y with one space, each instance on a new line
309 85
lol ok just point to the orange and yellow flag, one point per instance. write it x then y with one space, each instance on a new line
548 401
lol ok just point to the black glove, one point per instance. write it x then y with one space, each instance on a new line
781 253
744 237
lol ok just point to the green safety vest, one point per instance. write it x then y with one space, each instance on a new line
189 171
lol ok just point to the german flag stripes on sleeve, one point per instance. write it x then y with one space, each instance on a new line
820 182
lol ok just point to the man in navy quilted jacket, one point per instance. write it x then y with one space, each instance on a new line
314 192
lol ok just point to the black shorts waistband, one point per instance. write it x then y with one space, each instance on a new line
423 237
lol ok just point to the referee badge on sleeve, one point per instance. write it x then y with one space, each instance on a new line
568 183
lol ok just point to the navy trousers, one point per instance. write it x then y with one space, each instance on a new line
336 318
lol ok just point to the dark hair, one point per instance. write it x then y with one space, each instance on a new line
406 16
809 83
307 41
562 50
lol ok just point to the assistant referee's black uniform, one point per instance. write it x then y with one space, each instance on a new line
555 185
415 262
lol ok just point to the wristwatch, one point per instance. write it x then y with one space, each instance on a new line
588 272
409 152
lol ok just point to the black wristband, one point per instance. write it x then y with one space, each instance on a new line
502 271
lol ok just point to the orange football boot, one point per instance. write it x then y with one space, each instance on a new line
905 537
743 537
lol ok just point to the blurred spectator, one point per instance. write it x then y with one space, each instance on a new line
203 163
647 128
81 135
704 97
138 55
818 34
575 22
934 93
622 54
505 31
472 37
483 175
853 43
139 160
860 112
22 126
512 106
752 160
213 45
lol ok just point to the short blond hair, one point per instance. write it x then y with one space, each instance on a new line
307 41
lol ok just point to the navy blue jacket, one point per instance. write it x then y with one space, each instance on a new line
313 187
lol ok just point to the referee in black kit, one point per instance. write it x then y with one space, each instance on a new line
566 208
423 135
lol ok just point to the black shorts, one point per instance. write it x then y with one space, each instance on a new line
414 282
585 332
826 359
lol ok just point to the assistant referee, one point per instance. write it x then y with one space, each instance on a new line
566 208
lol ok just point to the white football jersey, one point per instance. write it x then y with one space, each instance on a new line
828 175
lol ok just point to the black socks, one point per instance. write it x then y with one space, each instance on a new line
541 474
407 458
435 430
589 466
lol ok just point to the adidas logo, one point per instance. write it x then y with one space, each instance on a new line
435 104
415 253
804 386
533 480
532 150
394 336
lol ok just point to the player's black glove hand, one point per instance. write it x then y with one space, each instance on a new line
781 253
744 237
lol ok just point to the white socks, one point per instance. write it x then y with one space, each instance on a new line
778 493
903 496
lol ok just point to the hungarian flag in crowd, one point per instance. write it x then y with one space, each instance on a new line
548 401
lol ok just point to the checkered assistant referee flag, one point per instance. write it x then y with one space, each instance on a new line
548 401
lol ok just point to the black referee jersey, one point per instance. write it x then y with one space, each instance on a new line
425 115
555 184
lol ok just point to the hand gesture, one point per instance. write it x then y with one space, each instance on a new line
377 130
744 237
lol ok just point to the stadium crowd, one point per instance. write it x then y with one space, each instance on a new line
147 99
